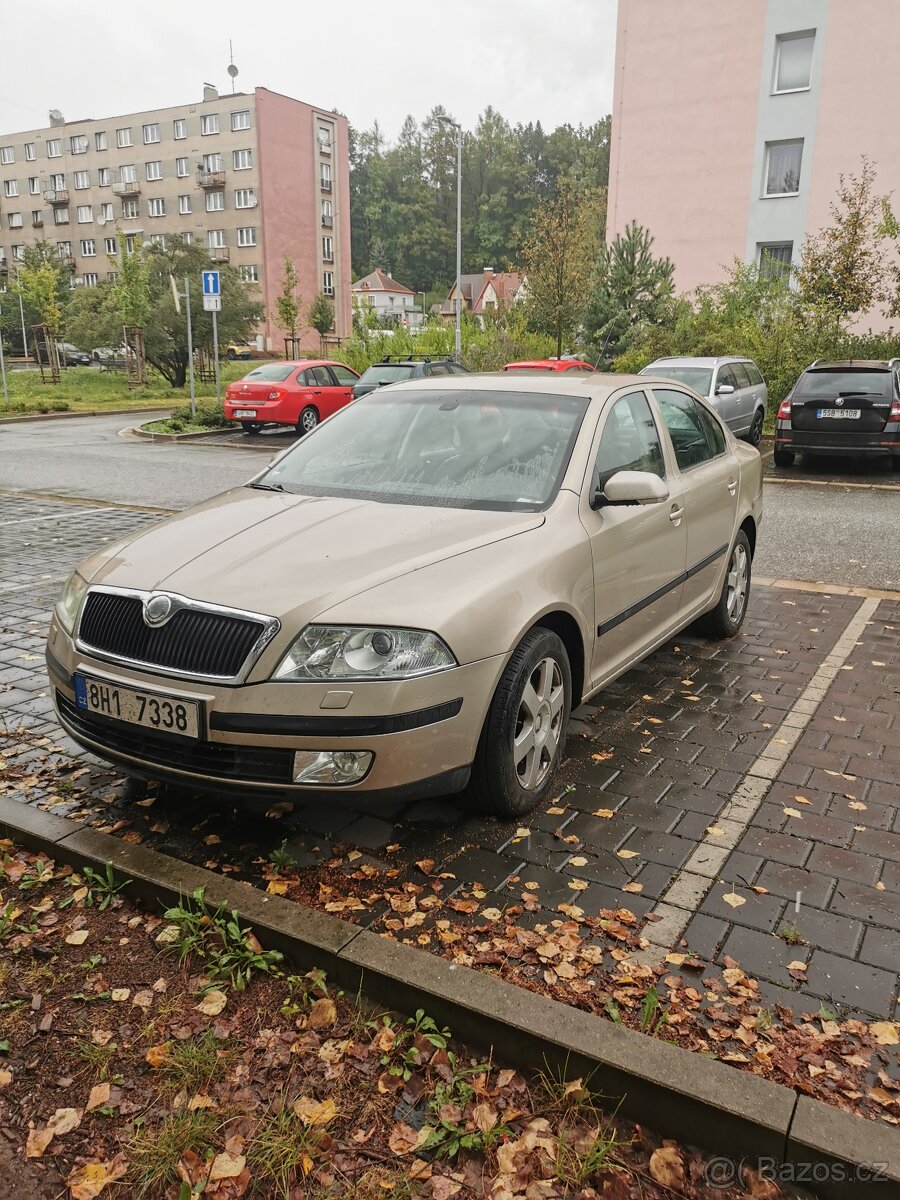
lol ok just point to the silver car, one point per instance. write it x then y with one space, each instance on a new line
734 386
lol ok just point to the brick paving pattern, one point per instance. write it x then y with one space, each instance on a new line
651 764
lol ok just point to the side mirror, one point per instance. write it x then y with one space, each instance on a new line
631 487
724 389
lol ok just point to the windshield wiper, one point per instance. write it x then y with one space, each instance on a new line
860 393
269 487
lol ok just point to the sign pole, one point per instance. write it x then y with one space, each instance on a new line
190 333
3 372
24 334
215 317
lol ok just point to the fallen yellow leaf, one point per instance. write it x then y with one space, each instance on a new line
886 1033
627 853
734 900
78 937
99 1096
314 1112
277 887
120 994
226 1166
213 1002
88 1181
322 1014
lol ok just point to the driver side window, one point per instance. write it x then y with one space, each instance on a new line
629 442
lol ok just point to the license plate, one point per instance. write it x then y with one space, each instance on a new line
245 412
838 414
152 710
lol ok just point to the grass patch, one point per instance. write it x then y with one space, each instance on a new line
284 1150
155 1151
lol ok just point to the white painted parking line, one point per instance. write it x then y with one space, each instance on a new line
77 512
690 887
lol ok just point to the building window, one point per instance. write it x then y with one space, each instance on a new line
128 174
157 207
793 61
100 142
106 212
184 205
54 148
187 238
151 133
249 274
131 209
328 249
88 248
182 168
242 160
158 239
7 155
324 139
58 183
153 171
246 236
325 176
14 220
91 279
29 151
123 138
774 259
18 253
37 217
103 177
179 129
215 239
64 249
10 187
110 245
131 242
82 180
328 283
215 201
212 162
209 123
34 185
327 214
245 198
240 120
78 143
61 216
112 276
85 214
783 161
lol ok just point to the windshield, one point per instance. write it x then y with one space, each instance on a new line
274 372
452 449
698 378
387 373
837 383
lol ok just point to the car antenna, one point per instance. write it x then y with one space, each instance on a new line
602 348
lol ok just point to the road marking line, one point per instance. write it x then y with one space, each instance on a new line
697 877
877 487
78 512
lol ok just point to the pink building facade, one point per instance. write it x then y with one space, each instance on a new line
732 122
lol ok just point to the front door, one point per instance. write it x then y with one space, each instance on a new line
710 481
638 550
727 404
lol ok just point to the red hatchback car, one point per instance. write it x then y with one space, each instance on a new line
539 365
289 393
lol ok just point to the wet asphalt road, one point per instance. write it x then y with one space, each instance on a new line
826 520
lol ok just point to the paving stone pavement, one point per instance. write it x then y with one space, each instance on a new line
651 764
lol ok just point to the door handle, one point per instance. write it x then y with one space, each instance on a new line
317 391
675 515
732 486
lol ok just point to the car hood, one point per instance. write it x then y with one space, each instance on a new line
294 556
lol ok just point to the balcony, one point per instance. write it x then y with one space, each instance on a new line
127 187
37 222
4 268
328 222
325 148
210 180
68 261
219 253
60 197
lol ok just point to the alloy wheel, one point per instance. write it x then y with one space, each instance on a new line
539 724
309 421
756 428
737 582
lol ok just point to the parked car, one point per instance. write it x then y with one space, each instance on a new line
412 599
289 393
845 408
235 350
69 354
733 386
539 366
399 368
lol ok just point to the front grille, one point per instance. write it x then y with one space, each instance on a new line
247 764
194 641
870 420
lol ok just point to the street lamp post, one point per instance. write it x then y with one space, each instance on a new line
458 339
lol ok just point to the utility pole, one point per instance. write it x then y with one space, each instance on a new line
3 371
190 333
24 334
458 338
215 317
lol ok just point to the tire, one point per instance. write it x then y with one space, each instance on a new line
231 355
784 458
308 420
251 427
754 436
895 463
539 669
727 617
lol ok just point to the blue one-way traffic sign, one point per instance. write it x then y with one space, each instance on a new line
211 283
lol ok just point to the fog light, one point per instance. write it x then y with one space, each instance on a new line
331 766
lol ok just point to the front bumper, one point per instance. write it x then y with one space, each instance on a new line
423 733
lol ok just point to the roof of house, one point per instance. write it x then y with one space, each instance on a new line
473 288
379 281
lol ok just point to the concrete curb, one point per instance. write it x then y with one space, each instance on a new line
148 435
94 412
680 1094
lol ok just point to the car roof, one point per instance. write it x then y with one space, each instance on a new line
301 362
854 364
556 383
692 360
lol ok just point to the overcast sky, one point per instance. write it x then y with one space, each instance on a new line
547 60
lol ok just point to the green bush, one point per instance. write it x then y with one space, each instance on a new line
209 415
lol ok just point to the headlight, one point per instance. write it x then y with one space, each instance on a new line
328 652
69 601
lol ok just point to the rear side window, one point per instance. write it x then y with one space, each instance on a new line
320 377
685 421
740 374
437 369
753 371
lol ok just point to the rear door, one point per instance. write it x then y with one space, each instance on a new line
638 550
760 393
710 479
745 397
327 396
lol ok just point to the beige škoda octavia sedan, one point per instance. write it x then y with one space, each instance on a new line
413 597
